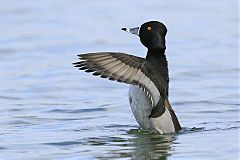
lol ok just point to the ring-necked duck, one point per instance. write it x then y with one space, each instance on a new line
148 77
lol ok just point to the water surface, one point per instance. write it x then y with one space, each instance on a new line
50 110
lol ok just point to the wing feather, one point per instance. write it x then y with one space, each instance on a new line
123 68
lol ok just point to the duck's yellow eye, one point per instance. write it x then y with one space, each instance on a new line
149 28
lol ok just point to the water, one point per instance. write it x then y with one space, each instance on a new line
50 110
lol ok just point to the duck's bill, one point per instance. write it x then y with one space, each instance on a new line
132 30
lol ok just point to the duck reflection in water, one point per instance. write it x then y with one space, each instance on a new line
142 145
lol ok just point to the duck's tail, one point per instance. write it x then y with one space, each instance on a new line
176 123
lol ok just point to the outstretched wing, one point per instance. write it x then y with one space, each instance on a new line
124 68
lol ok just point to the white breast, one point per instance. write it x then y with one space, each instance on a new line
141 108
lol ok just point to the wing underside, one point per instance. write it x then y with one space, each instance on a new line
122 68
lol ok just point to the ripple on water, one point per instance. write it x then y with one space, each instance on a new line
65 143
184 103
77 110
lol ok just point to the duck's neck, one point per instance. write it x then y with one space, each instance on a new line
158 59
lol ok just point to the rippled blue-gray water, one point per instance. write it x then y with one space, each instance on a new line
50 110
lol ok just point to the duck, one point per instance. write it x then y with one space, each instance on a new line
148 78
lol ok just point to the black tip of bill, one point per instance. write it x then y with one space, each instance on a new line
131 30
124 29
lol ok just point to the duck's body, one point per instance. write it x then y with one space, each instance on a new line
148 77
141 108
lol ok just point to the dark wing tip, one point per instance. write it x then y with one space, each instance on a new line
82 56
104 76
89 70
78 64
111 78
119 80
83 68
96 73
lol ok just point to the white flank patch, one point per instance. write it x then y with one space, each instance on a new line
141 108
